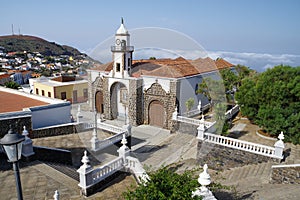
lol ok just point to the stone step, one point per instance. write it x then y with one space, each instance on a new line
260 171
171 150
56 175
70 171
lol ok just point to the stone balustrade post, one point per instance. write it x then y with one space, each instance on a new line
85 174
279 146
79 115
124 151
128 128
27 147
56 195
201 129
204 180
94 140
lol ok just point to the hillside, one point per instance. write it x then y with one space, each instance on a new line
35 44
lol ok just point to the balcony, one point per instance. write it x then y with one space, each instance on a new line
122 48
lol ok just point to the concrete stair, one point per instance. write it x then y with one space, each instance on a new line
252 174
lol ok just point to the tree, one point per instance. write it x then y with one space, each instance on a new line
189 103
272 100
12 85
165 184
247 98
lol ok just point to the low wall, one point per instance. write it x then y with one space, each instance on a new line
16 119
54 131
288 174
52 155
186 128
222 157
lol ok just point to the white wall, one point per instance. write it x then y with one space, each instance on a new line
49 115
148 81
188 90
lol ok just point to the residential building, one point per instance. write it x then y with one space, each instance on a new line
39 111
70 88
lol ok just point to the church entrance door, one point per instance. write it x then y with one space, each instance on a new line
99 102
156 114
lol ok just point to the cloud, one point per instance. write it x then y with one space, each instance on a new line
257 61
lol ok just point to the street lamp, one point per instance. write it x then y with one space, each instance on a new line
12 144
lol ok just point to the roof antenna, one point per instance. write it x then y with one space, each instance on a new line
12 29
122 21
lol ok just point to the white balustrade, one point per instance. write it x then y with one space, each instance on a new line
136 167
194 121
108 169
232 112
241 145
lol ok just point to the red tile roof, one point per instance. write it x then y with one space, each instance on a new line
13 102
171 68
104 67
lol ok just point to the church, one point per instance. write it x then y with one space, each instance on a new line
147 91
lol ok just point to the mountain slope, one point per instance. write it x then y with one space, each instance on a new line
35 44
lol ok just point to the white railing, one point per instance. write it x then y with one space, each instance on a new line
104 126
241 145
232 112
110 141
136 167
194 121
285 166
106 170
88 126
111 128
196 111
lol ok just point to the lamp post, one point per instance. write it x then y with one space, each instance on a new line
12 144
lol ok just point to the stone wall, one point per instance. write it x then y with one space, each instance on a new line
52 155
186 128
156 92
221 157
135 105
288 175
53 131
18 123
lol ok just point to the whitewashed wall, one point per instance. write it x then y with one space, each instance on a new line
164 82
49 115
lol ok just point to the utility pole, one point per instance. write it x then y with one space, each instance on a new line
12 29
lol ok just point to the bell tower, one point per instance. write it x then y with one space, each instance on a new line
122 53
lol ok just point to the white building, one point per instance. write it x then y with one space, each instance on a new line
147 91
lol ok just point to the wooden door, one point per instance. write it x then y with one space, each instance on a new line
156 114
99 102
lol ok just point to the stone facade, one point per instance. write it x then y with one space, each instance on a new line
221 157
288 175
135 105
168 99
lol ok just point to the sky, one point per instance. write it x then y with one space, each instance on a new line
256 33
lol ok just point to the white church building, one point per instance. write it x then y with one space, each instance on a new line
147 91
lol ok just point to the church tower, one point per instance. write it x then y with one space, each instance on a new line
122 53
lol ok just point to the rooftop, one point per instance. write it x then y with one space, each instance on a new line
12 102
171 68
60 81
